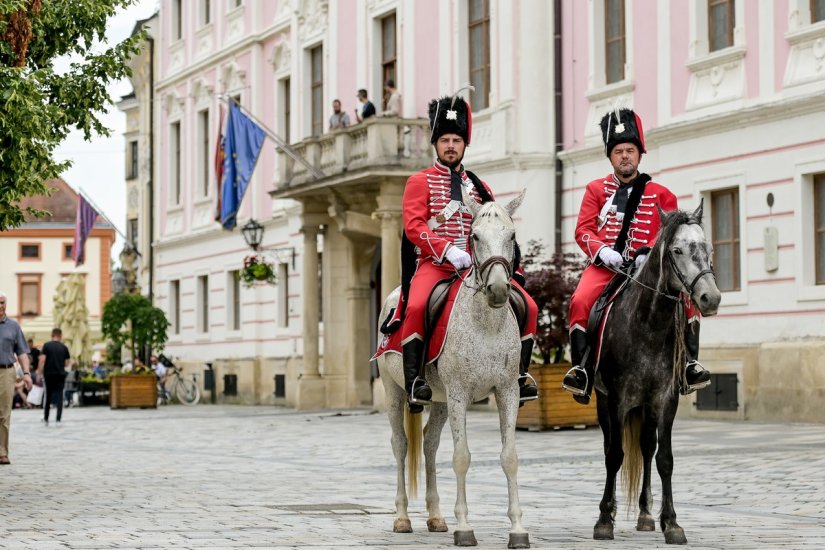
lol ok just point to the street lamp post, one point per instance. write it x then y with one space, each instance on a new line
253 234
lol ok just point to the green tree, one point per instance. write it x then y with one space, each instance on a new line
132 319
41 103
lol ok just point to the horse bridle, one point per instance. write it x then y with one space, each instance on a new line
682 278
487 264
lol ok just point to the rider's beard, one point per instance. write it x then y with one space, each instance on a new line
451 165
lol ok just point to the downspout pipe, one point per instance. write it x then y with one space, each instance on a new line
557 97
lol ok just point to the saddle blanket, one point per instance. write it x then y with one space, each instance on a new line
391 343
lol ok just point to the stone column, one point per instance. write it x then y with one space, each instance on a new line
310 394
389 212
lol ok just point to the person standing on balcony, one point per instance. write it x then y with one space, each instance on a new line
339 119
13 349
393 105
436 226
366 109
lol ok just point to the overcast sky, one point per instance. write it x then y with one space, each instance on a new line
98 165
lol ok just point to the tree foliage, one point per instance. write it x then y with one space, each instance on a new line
550 282
40 103
132 319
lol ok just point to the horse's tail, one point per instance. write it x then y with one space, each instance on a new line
412 425
632 464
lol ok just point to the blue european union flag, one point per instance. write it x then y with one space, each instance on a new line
243 142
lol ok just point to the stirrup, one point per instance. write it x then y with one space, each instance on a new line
698 386
527 376
573 390
418 382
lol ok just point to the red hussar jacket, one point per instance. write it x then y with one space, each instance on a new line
599 224
427 224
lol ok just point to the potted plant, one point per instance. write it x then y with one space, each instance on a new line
131 319
256 269
550 281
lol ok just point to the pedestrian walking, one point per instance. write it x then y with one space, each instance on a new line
54 358
13 348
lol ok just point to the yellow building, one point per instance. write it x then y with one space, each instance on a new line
38 254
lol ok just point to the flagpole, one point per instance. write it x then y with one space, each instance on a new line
100 212
316 172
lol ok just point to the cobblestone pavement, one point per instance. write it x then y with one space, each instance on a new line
240 477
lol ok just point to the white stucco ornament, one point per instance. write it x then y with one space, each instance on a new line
452 114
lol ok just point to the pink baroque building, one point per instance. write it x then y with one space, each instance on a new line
332 225
732 95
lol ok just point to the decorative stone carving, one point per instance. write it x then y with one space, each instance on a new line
312 17
281 56
173 103
233 79
202 91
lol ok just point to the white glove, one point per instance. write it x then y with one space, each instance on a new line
611 258
459 258
640 260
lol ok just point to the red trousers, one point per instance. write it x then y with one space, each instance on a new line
425 278
593 280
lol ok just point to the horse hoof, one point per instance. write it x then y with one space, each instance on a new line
603 531
437 525
675 535
519 540
402 525
464 538
646 523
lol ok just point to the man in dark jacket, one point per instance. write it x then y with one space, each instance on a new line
54 359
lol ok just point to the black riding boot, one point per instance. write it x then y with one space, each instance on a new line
579 379
527 388
418 392
696 376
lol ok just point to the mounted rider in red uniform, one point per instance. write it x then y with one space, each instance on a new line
437 228
618 223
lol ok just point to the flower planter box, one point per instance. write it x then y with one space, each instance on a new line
133 390
555 408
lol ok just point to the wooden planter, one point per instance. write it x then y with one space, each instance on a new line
555 408
133 390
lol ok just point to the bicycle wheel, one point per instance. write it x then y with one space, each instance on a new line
187 392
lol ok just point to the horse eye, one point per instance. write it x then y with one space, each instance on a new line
474 236
677 250
513 237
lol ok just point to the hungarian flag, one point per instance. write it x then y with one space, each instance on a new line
219 162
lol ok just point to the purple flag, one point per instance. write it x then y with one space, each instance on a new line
86 216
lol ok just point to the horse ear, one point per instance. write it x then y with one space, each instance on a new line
662 214
469 202
697 214
513 205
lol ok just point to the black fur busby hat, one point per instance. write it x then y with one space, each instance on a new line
450 115
622 126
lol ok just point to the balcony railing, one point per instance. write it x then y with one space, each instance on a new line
378 143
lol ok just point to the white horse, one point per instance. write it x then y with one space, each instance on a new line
480 356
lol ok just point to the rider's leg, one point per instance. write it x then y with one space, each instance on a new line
696 376
527 386
579 379
413 359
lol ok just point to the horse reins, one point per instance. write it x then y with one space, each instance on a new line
681 277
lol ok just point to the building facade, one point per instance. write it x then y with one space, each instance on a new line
732 96
39 255
333 231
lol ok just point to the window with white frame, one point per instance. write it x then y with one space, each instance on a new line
203 303
316 56
205 12
133 160
233 300
478 23
614 41
819 227
283 295
177 19
203 153
721 22
174 306
175 161
817 11
285 110
725 238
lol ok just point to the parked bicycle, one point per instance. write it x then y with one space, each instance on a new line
186 390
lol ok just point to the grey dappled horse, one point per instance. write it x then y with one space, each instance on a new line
480 355
642 364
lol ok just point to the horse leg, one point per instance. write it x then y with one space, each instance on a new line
432 438
646 522
613 457
457 407
664 462
507 399
396 400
